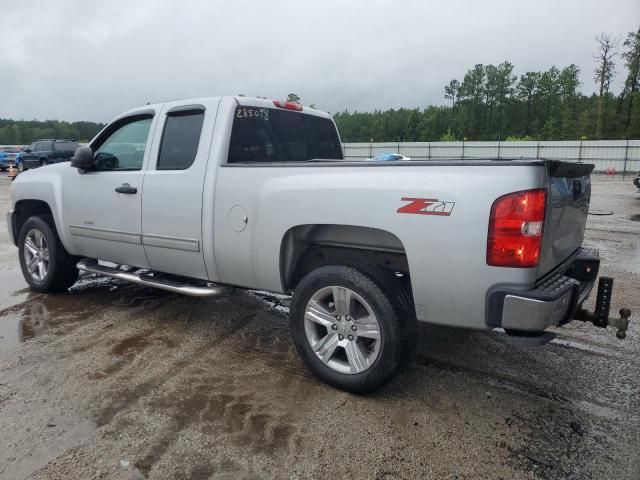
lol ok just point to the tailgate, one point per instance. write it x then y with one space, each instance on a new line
569 193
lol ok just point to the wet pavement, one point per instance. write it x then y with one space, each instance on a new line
115 381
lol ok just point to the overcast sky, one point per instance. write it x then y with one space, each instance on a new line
89 60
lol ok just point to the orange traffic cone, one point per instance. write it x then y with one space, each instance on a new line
12 173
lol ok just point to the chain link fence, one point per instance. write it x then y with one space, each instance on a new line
619 156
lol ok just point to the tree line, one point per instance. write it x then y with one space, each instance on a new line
23 132
492 103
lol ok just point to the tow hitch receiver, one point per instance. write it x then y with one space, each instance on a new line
600 316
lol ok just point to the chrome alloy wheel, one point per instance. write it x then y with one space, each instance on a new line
342 329
36 254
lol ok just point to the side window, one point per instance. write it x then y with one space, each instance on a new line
42 146
65 146
180 140
123 147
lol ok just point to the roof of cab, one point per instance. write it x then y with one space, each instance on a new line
240 100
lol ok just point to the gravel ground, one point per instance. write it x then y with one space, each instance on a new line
114 381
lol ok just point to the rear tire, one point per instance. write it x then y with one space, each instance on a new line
356 345
46 265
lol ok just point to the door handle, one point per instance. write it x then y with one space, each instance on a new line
126 188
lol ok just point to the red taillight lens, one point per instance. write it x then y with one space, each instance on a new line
288 105
515 229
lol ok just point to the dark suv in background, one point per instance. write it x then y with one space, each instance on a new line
44 152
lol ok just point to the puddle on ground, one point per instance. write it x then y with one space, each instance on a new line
14 289
25 314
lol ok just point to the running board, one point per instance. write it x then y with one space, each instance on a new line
145 278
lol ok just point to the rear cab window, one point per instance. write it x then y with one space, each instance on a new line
273 135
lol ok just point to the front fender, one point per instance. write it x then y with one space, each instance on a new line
45 185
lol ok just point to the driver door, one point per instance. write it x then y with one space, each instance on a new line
104 204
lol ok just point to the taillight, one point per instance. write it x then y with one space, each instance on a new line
288 105
515 229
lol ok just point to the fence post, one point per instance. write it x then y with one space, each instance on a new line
463 149
538 150
626 157
429 151
398 149
370 149
580 153
498 149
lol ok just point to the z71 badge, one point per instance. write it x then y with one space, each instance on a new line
426 206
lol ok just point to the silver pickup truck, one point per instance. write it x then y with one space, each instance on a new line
193 196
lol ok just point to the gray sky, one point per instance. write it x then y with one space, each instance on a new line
89 60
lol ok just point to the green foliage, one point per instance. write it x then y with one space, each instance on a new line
21 132
526 138
448 136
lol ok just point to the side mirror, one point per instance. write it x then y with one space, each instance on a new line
27 150
83 158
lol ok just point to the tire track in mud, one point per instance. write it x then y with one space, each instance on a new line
128 397
233 405
216 407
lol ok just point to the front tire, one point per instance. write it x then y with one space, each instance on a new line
350 329
46 265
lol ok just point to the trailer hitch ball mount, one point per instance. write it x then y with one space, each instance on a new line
600 316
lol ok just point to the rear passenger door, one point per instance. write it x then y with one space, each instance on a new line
44 152
173 188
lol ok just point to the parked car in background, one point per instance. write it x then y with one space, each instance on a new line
45 152
636 181
389 157
7 156
4 160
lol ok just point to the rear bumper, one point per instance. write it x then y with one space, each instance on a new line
555 299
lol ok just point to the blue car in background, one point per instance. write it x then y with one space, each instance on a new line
389 157
8 155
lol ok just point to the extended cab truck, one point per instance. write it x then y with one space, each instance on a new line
46 152
194 195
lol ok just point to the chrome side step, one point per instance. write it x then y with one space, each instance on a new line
146 278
